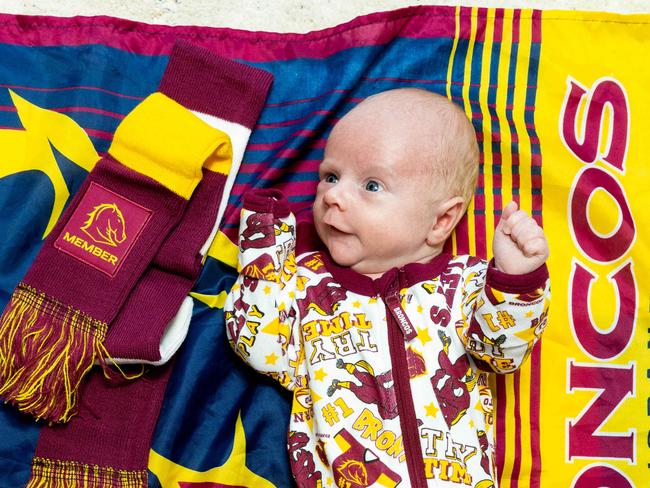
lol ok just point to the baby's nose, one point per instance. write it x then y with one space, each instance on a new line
335 196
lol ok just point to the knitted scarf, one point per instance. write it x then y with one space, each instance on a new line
110 282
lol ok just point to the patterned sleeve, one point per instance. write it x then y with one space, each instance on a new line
503 315
259 311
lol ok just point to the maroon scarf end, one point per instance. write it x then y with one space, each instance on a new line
53 473
46 348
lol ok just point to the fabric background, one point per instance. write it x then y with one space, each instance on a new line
577 413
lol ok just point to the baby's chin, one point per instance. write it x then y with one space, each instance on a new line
362 267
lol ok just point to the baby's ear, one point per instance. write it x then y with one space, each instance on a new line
448 213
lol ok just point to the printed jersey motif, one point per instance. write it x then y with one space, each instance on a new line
313 329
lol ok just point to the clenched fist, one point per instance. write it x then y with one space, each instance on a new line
519 244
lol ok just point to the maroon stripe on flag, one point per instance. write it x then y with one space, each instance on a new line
537 26
69 88
306 100
270 146
265 171
299 188
92 110
291 189
448 247
500 425
498 25
150 39
285 123
462 236
516 463
465 18
479 215
536 355
536 183
481 22
516 21
516 178
101 134
497 199
535 381
411 80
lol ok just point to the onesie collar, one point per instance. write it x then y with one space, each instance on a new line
393 279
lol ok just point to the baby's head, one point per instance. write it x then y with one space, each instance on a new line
398 173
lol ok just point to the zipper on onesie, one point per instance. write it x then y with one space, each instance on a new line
400 331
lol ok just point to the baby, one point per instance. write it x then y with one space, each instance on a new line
384 339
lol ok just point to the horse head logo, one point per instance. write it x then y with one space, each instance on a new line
105 225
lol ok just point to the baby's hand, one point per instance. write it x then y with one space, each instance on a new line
519 244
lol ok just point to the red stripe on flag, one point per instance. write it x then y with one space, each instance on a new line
101 134
465 18
285 123
270 146
516 24
479 218
91 110
150 39
498 25
537 26
462 237
68 88
263 170
305 100
535 381
481 22
516 179
500 425
516 463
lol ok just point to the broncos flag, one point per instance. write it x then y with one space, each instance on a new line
559 102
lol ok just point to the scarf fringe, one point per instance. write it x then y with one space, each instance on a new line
46 348
54 473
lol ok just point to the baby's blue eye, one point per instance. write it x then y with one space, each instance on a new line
373 186
330 178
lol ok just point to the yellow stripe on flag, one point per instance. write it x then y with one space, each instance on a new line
525 187
467 81
450 69
224 250
521 89
488 157
506 182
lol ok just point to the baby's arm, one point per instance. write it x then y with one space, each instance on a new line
258 311
503 320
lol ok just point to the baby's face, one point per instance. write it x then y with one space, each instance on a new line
372 207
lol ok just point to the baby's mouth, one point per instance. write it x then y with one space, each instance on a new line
335 231
332 228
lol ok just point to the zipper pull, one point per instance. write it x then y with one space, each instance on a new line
395 306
